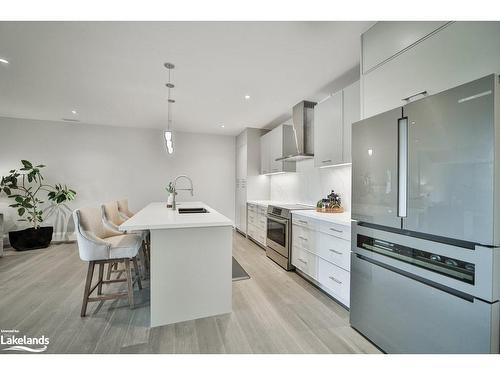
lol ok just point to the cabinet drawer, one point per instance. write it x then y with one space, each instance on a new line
303 222
305 261
303 237
252 207
261 222
337 230
335 250
252 218
257 234
335 280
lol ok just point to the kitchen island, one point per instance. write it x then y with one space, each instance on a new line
190 261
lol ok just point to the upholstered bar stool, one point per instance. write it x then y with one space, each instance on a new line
112 219
126 214
99 245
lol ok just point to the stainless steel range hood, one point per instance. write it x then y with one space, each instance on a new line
303 128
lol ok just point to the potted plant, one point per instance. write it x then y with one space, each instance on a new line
24 186
171 192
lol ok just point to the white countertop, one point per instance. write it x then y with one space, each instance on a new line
342 218
264 203
156 215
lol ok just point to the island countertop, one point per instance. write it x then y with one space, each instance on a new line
156 215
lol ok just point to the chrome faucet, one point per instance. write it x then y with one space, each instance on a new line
175 188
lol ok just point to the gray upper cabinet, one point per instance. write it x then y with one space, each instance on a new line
387 38
328 131
333 120
458 53
276 144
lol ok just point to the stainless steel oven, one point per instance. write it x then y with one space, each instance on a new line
279 229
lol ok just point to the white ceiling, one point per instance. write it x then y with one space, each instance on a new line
112 72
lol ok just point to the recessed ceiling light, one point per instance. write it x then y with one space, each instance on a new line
3 61
222 126
73 112
247 97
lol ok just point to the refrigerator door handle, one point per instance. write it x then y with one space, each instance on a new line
408 98
402 166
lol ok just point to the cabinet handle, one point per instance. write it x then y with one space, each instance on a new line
275 169
334 279
302 260
407 99
336 251
303 221
326 161
303 238
337 230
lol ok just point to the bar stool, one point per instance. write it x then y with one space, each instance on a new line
99 245
112 219
126 214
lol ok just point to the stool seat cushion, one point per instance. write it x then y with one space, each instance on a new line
124 246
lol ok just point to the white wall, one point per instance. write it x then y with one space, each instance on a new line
104 163
310 184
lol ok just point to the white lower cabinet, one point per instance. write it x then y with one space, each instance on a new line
305 261
257 223
322 251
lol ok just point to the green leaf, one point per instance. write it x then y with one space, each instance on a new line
40 166
7 190
27 164
19 199
21 211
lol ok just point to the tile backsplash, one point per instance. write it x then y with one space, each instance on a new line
309 184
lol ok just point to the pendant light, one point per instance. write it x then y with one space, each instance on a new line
169 142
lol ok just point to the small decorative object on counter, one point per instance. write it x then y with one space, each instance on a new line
331 204
171 192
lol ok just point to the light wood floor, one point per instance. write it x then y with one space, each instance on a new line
273 312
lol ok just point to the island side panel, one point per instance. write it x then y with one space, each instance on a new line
191 273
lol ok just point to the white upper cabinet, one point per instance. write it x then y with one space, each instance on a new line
265 161
328 131
351 113
333 119
456 54
274 145
387 38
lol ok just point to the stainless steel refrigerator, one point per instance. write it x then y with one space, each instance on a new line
425 265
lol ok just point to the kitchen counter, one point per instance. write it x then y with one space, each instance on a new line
156 215
265 203
343 218
191 261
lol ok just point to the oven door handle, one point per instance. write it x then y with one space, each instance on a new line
281 221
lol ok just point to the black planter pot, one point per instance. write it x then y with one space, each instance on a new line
31 239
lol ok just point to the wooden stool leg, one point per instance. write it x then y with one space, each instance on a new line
137 273
88 284
146 255
128 272
101 275
110 268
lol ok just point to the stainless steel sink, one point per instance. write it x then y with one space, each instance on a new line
193 210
